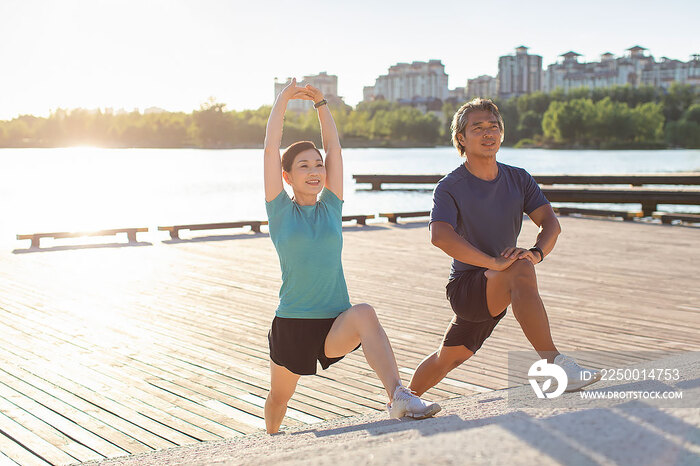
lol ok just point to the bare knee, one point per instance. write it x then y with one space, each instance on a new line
279 397
365 315
522 275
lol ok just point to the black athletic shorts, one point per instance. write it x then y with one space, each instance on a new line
298 343
472 323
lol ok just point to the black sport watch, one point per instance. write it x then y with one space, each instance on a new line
535 248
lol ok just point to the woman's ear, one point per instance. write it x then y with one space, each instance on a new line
285 176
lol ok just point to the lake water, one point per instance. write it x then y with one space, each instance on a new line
89 188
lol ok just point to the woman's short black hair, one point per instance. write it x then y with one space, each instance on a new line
292 151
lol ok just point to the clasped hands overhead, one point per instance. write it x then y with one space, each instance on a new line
308 92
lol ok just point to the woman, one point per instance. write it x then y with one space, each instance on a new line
315 320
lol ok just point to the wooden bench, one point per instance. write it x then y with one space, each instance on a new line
36 237
174 230
626 215
394 217
667 217
360 219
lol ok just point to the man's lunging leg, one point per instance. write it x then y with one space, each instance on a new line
517 285
435 367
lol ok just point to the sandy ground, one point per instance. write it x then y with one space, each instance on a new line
501 427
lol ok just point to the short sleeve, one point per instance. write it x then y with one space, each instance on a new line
534 197
444 206
329 198
276 206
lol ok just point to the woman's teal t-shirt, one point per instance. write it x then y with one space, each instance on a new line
309 243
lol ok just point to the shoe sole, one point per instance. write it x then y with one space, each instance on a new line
584 384
429 413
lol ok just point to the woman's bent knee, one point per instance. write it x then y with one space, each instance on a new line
365 313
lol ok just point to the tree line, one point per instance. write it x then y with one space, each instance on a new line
619 117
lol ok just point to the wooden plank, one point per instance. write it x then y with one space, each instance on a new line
47 442
16 452
685 196
36 237
130 422
141 397
80 234
4 460
395 216
626 215
668 218
102 438
30 440
174 230
630 179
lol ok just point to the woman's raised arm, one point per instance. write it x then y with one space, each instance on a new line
331 144
273 139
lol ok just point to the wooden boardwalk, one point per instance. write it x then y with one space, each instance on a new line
114 351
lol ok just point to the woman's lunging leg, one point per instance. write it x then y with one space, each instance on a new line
360 324
283 382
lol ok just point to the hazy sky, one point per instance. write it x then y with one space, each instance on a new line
174 54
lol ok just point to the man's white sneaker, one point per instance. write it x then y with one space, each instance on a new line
578 376
405 403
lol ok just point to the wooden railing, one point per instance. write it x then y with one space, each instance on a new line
630 179
649 198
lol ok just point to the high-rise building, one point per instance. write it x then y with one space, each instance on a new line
609 71
484 86
326 83
635 68
519 74
667 71
458 94
408 82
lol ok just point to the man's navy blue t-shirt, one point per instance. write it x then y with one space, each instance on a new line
488 214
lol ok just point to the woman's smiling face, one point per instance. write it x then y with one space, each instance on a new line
308 174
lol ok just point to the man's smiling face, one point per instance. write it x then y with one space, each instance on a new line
482 135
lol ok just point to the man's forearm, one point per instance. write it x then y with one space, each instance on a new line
547 236
458 248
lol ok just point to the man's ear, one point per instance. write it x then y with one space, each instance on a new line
460 139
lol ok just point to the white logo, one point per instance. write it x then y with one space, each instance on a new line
542 368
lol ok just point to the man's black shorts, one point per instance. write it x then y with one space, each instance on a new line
298 343
472 323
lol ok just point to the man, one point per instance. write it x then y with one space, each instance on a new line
476 219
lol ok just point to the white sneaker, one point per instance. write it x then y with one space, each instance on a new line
577 375
405 403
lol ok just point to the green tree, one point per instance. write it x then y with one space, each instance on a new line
530 124
648 121
693 113
213 125
678 99
686 131
569 122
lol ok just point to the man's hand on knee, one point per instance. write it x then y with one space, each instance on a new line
521 254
